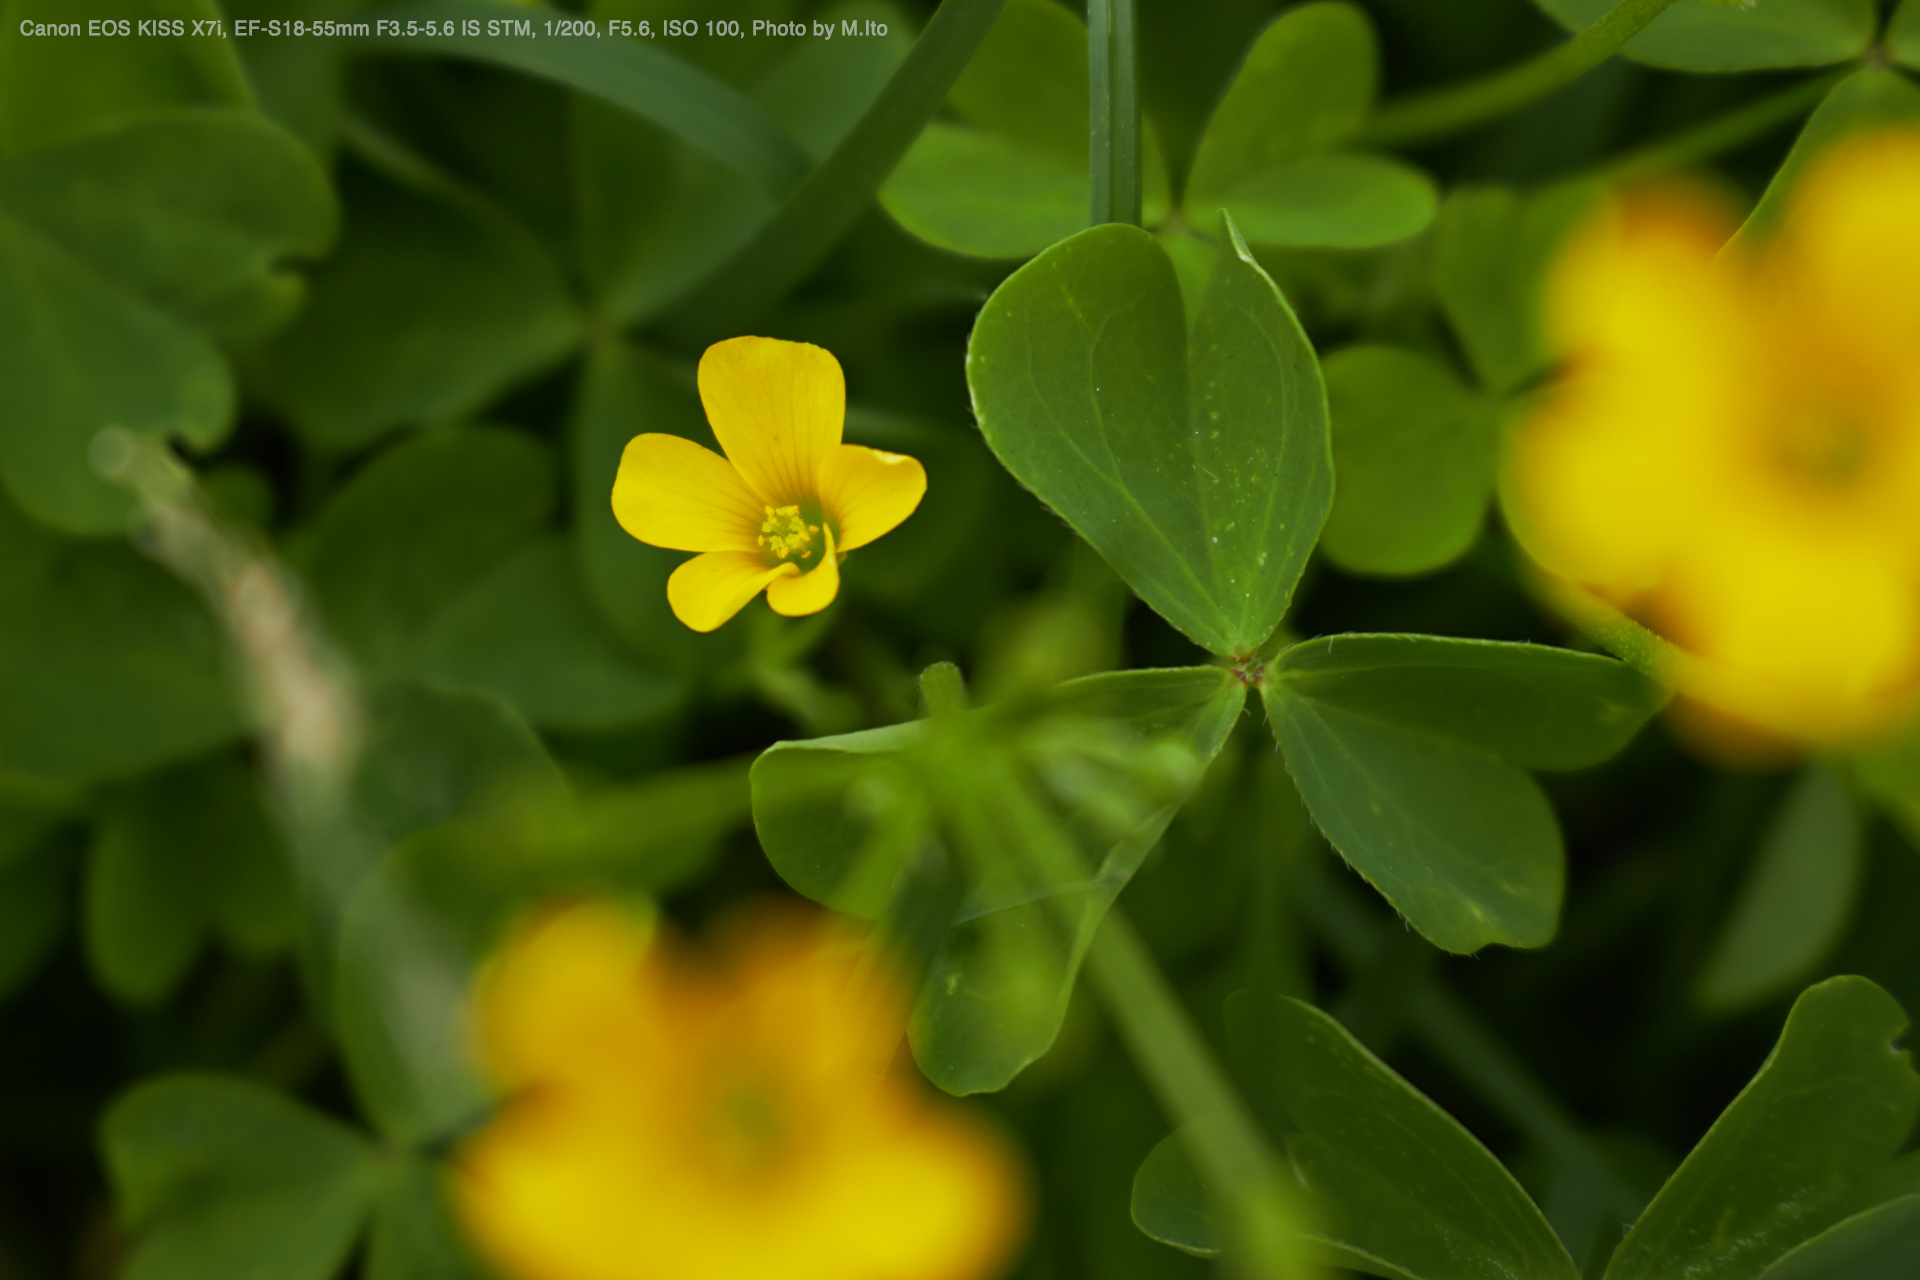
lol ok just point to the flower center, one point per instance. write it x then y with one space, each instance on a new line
748 1125
787 536
1826 450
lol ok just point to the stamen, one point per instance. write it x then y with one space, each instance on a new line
787 534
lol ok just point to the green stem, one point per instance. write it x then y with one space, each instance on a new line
1220 1132
1706 140
1113 111
1169 1050
1423 116
1451 1030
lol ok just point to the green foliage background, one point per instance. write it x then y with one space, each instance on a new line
1485 958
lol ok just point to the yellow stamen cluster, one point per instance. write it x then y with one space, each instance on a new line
787 534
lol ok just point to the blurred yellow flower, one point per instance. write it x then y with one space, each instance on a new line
783 508
1733 454
669 1120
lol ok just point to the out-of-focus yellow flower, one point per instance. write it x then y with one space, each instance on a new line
1733 454
672 1120
782 509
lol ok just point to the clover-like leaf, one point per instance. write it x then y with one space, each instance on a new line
1395 1186
1197 463
1809 1143
1271 153
1411 754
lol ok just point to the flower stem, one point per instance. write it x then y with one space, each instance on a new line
1423 116
1113 111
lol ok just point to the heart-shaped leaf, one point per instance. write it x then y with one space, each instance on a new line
1711 35
1396 1186
434 302
1197 465
1411 754
195 212
1808 1143
1269 155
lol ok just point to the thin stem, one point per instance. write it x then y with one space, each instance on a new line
1708 139
1423 116
1167 1045
1113 111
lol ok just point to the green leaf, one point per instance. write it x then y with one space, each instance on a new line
108 667
1410 752
296 82
174 858
1696 35
77 355
423 524
1881 1244
54 88
529 633
1010 176
1492 248
1868 99
1332 201
1267 153
1903 35
433 304
415 1236
1806 1144
196 212
1198 467
1305 88
1533 705
840 819
221 1179
1396 1186
1413 456
1795 902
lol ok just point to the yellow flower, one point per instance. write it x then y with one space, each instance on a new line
669 1120
1733 454
783 508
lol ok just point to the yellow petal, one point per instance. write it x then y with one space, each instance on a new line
810 592
709 589
777 409
672 493
869 492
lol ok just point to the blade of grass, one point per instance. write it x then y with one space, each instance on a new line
831 198
654 85
1423 116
